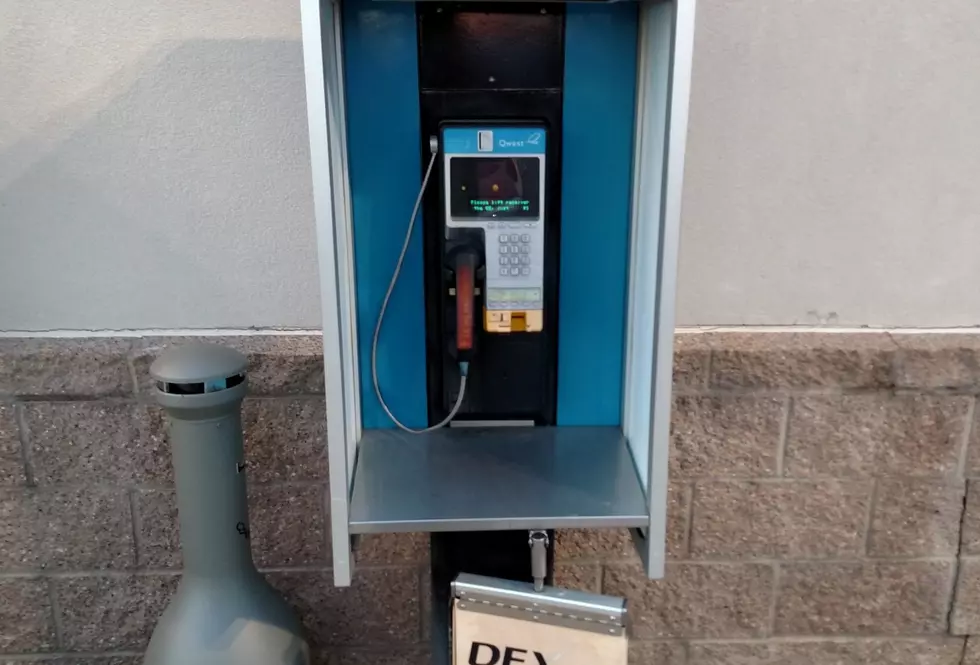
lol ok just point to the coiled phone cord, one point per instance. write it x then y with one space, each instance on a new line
463 366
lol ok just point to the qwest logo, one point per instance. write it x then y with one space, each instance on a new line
488 654
504 143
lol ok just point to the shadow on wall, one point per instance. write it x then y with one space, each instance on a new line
183 201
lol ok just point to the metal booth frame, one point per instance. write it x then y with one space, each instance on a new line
665 53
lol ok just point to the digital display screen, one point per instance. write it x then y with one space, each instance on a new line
494 187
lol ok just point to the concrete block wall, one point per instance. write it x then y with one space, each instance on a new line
823 507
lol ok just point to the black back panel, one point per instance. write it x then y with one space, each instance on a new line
491 67
468 47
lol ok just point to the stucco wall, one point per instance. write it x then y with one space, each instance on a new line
154 165
832 164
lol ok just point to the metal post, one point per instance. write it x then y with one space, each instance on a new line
538 540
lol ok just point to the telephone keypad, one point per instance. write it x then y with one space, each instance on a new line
515 253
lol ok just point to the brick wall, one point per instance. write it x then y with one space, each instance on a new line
821 507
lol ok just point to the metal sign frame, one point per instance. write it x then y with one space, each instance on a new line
663 89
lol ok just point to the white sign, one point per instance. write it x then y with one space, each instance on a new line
488 639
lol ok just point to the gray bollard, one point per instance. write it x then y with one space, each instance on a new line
224 611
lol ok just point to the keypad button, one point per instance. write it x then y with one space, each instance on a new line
503 237
504 271
525 249
514 237
503 249
526 237
504 261
525 259
525 271
514 271
515 260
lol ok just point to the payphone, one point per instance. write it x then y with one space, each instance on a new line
493 242
492 245
492 194
493 179
495 209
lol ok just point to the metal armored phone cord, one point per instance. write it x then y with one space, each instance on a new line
463 366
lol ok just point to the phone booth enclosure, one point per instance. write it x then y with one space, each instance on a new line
586 105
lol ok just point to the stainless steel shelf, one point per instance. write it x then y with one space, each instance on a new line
495 478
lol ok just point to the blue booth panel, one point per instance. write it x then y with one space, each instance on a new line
382 89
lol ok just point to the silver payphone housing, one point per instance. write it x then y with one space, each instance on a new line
483 167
